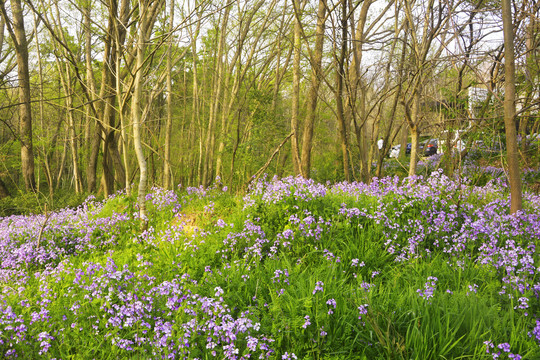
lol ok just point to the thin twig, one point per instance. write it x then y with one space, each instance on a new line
47 216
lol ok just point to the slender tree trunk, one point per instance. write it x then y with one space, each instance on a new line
195 163
121 109
3 28
316 76
340 75
241 66
403 140
66 80
61 165
224 118
514 173
196 123
73 135
46 165
113 168
214 105
392 129
296 94
148 11
18 35
136 119
357 92
280 69
168 126
412 119
107 98
94 129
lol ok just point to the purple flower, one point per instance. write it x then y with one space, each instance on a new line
318 287
288 356
331 302
44 338
536 331
429 288
489 345
307 322
472 289
362 309
523 303
219 291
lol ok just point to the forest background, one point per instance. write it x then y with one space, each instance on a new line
98 96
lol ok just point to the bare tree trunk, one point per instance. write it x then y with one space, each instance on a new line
113 168
412 116
214 105
415 135
224 118
46 165
340 74
392 129
62 164
95 141
121 108
316 75
18 36
241 66
65 78
514 173
168 126
357 92
148 11
404 134
136 119
195 165
73 135
403 140
296 94
281 69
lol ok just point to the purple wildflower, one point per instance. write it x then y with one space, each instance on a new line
318 287
307 322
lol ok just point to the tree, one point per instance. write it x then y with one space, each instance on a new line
15 26
148 10
316 77
424 29
340 94
514 173
297 44
168 127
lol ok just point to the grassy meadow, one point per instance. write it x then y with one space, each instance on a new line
422 268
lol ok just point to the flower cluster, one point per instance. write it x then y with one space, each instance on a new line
318 287
363 311
429 288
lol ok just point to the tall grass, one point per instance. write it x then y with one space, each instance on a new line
414 269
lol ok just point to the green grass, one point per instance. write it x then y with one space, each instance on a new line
213 241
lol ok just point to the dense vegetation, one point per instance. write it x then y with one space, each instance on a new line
96 96
403 269
112 112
